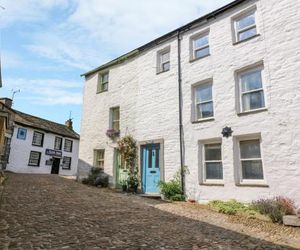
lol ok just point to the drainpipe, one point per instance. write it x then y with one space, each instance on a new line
180 114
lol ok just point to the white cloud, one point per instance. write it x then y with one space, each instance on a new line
30 10
128 23
99 30
47 91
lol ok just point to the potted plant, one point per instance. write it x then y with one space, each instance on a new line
133 182
112 133
124 185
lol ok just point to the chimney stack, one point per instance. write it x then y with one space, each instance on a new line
69 124
6 101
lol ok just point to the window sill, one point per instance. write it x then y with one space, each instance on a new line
98 92
252 184
204 120
40 146
33 166
212 184
199 58
160 72
252 111
247 39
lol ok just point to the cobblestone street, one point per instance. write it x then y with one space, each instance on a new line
50 212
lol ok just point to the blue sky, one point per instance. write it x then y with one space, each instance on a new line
47 44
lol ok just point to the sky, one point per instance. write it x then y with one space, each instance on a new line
47 44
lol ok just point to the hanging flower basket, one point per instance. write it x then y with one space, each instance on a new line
112 133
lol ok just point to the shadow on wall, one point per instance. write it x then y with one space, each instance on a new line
83 170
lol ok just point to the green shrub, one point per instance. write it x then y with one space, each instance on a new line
275 207
229 207
177 197
170 189
94 173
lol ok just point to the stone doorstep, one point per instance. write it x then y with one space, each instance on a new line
291 220
298 212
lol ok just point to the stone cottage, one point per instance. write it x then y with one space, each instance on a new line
220 95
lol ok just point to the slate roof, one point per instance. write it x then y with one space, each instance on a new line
43 124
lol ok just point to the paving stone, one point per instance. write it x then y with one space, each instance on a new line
291 220
50 212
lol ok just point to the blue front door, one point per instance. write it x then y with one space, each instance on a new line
150 168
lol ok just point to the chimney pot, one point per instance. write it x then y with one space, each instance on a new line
6 101
69 124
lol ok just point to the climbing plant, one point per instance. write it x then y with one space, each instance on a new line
128 150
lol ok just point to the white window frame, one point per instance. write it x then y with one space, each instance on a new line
160 62
241 181
194 50
195 103
100 160
240 16
243 72
204 161
101 83
112 121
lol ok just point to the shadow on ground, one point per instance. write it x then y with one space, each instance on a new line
44 211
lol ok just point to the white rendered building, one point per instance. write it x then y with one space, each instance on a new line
236 71
42 147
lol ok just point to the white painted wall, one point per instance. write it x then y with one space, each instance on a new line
20 151
149 103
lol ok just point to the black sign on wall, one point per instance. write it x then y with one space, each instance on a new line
53 152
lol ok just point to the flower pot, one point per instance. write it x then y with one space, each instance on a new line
124 188
135 188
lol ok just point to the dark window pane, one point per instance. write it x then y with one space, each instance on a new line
254 100
214 170
213 152
104 86
252 170
34 158
66 162
68 145
150 159
157 158
37 139
251 81
202 52
205 110
104 78
250 149
247 34
58 143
